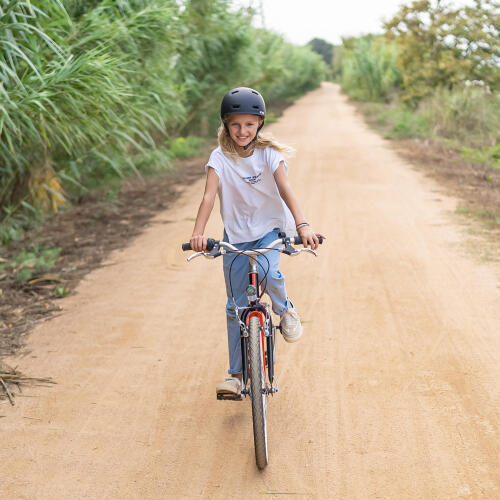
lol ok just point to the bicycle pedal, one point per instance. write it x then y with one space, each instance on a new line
222 396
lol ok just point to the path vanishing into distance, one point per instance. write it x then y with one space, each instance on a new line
393 391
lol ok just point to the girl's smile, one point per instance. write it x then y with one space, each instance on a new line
242 129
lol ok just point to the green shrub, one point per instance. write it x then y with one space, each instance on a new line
404 123
488 156
185 147
14 222
11 230
467 119
26 264
159 159
369 70
467 115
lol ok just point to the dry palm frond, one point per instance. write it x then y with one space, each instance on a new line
11 378
45 187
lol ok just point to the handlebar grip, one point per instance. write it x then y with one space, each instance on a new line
297 240
210 244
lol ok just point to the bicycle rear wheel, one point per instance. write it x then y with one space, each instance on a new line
257 392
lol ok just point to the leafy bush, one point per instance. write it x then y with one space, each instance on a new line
26 264
185 147
444 45
369 69
14 223
405 123
304 71
467 115
488 156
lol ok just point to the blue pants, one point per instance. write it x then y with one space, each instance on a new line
275 288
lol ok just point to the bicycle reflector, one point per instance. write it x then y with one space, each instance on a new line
251 293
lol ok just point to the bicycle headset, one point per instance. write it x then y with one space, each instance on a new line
243 101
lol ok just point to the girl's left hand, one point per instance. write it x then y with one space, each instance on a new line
309 237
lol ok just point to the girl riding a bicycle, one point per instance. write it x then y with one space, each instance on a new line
249 173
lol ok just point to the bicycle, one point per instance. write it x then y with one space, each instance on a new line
257 333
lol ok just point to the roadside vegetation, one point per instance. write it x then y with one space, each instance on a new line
93 91
106 107
434 77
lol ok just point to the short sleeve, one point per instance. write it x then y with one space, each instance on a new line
274 158
215 161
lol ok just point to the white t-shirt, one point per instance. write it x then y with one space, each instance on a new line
250 203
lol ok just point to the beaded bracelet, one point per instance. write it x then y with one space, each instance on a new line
301 225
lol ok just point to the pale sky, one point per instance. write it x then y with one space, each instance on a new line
301 20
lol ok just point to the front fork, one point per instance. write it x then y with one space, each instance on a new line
268 339
268 332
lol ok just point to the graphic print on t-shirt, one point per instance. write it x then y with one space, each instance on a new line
253 179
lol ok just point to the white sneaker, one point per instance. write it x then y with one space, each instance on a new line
291 327
231 385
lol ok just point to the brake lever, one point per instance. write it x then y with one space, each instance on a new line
310 250
215 252
194 255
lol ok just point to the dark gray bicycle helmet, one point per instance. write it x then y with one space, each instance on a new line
243 101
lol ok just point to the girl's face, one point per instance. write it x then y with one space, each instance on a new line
242 128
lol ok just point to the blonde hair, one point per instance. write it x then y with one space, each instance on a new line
263 141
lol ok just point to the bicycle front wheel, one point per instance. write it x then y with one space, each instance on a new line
258 393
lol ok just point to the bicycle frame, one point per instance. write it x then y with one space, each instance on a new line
267 331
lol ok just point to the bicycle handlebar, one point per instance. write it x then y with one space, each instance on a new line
295 240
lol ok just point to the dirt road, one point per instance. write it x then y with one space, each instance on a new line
393 392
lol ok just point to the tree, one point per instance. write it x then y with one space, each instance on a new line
440 46
323 48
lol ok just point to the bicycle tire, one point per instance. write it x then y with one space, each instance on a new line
257 393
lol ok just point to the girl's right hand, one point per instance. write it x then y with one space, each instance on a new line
198 243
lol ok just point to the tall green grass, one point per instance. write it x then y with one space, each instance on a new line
91 89
369 69
467 119
74 94
470 116
403 123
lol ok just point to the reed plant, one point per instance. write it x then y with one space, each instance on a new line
90 88
67 103
369 69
